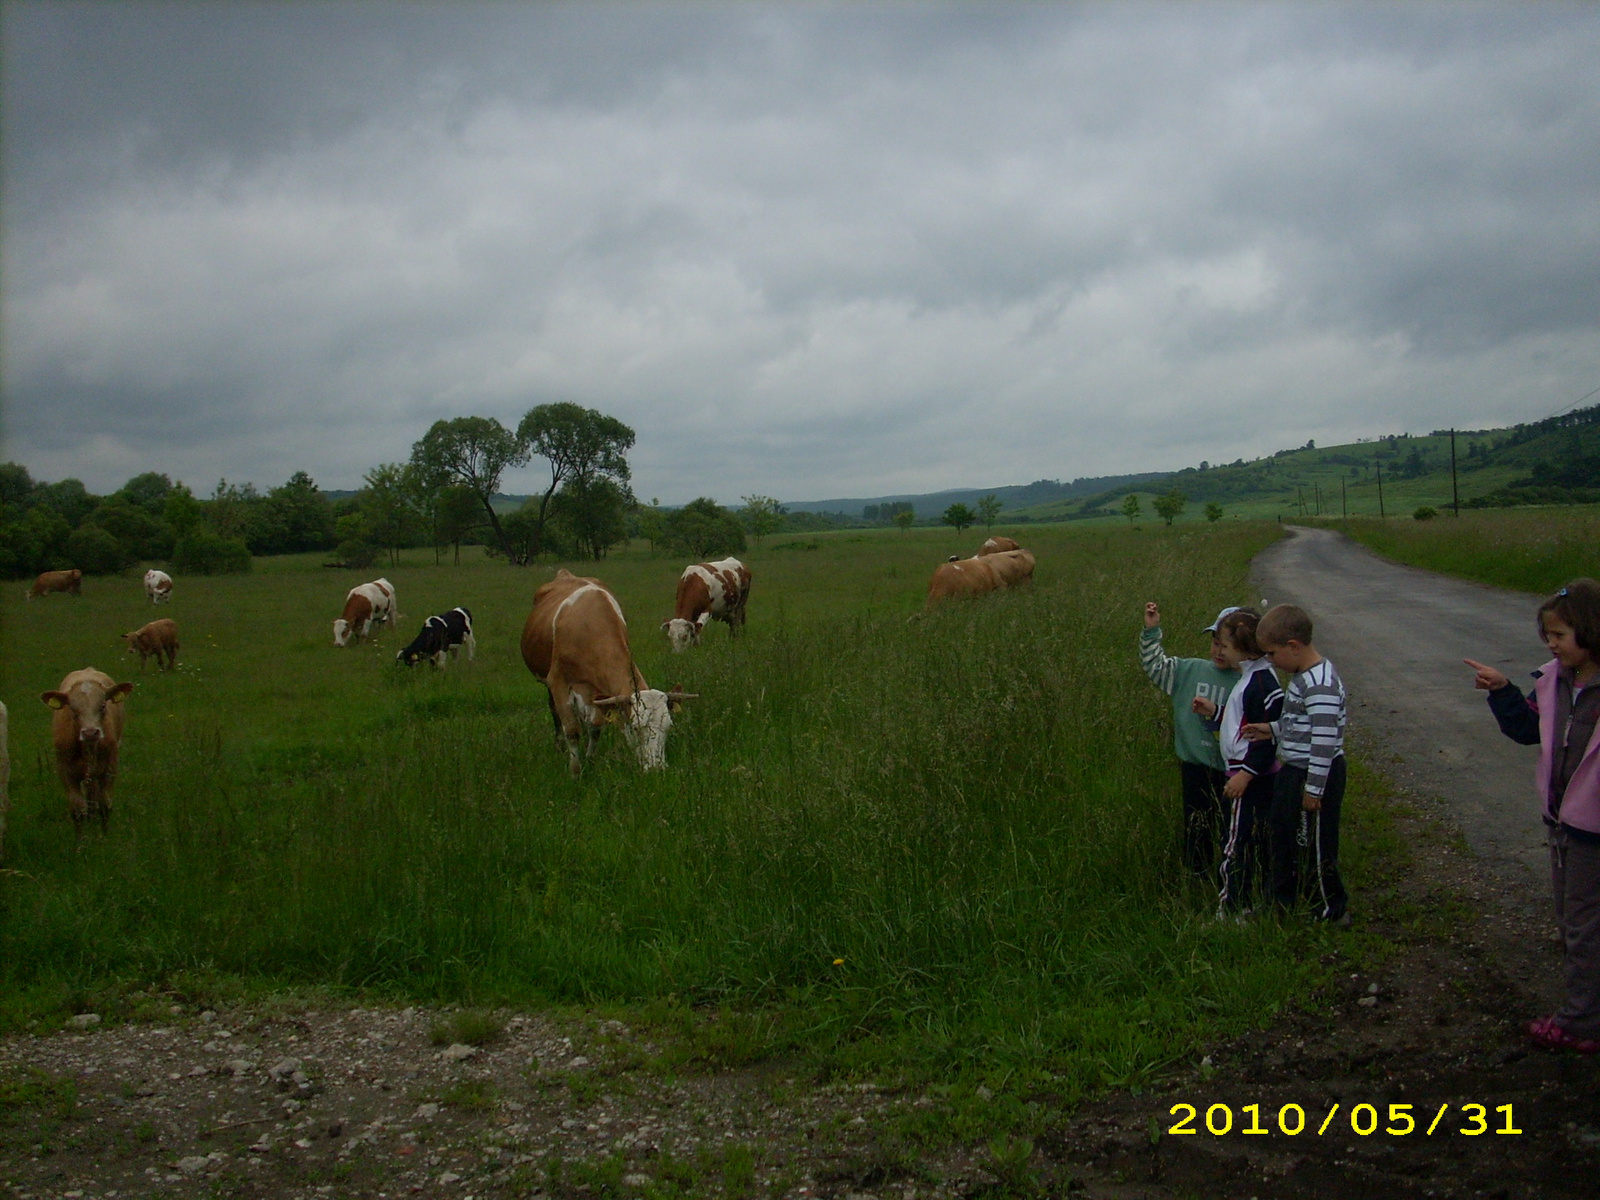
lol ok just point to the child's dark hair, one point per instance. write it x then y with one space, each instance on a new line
1577 605
1240 626
1284 624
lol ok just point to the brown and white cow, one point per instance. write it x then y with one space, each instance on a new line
157 585
575 642
707 591
980 574
365 605
158 639
57 581
87 732
5 775
997 544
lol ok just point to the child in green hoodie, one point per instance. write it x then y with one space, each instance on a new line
1199 751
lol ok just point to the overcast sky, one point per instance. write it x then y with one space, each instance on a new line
805 250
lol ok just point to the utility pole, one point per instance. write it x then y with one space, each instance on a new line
1455 492
1318 488
1344 499
1379 468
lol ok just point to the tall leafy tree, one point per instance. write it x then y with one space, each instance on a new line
703 527
958 515
580 444
989 509
1131 508
387 506
1171 505
762 515
472 452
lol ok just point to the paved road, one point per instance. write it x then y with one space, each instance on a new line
1398 635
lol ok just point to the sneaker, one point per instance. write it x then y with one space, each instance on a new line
1546 1034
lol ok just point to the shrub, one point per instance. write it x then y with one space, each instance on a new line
1425 513
357 553
204 552
95 552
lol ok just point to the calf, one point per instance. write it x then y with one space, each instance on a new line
57 581
365 605
157 585
717 590
159 638
576 643
87 731
447 632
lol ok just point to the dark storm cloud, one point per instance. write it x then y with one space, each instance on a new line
803 249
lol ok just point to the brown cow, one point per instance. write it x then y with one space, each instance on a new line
997 544
159 638
576 643
365 605
87 730
979 574
717 590
57 581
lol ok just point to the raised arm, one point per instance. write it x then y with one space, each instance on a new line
1516 714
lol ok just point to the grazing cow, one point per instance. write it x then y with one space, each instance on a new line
365 605
995 545
157 585
5 775
57 581
979 574
708 590
447 632
159 638
576 643
87 730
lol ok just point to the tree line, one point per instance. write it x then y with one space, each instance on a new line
443 497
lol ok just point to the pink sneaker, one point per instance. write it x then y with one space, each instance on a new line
1546 1033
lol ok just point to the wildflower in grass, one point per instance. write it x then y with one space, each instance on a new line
838 962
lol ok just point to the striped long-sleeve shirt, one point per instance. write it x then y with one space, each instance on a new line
1311 731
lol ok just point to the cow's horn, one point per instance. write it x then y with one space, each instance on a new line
612 701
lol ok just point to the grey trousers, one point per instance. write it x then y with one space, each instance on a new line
1575 879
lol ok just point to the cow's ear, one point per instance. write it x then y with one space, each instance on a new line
677 696
55 699
115 695
665 626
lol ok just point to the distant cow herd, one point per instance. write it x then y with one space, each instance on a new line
575 642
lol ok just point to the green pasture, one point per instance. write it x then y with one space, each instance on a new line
1526 549
943 845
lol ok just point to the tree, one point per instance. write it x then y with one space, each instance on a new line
1213 512
988 509
905 518
472 452
1131 508
300 516
959 515
1170 505
580 444
456 516
387 506
592 515
762 515
181 510
703 527
651 523
148 491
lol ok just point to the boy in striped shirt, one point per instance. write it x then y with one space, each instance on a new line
1310 788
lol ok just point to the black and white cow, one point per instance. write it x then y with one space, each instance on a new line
445 633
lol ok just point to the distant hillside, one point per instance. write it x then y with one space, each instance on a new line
1015 497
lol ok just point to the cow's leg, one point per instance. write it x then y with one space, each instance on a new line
471 644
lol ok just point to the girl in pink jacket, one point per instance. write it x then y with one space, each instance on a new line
1560 717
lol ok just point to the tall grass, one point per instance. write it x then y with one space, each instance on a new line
1526 549
957 834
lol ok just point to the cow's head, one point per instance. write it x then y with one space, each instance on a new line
646 718
341 632
88 702
683 634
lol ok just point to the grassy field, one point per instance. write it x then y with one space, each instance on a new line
942 846
1526 549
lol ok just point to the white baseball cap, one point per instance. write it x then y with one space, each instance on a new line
1212 628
